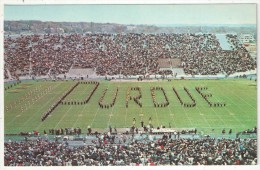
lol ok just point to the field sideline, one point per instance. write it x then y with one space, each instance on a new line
26 103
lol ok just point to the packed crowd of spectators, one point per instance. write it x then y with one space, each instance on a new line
128 54
161 151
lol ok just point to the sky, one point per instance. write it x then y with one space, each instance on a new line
136 14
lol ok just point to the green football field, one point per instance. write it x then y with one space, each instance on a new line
27 102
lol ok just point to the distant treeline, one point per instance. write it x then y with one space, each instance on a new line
36 27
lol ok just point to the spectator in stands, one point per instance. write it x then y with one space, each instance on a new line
164 151
128 54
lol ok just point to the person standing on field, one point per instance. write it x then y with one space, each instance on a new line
150 121
134 121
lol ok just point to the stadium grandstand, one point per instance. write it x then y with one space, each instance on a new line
130 150
53 84
125 54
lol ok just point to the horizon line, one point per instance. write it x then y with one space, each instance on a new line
177 24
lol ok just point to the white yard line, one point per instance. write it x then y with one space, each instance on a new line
205 120
187 117
255 108
156 116
28 120
219 117
186 112
238 96
154 108
56 125
141 101
82 111
62 117
110 116
172 117
37 109
112 111
126 109
94 117
97 111
213 111
234 117
203 116
80 97
21 98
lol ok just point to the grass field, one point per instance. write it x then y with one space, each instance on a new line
26 103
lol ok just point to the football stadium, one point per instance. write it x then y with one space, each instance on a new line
129 99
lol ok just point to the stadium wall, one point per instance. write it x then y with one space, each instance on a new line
251 73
